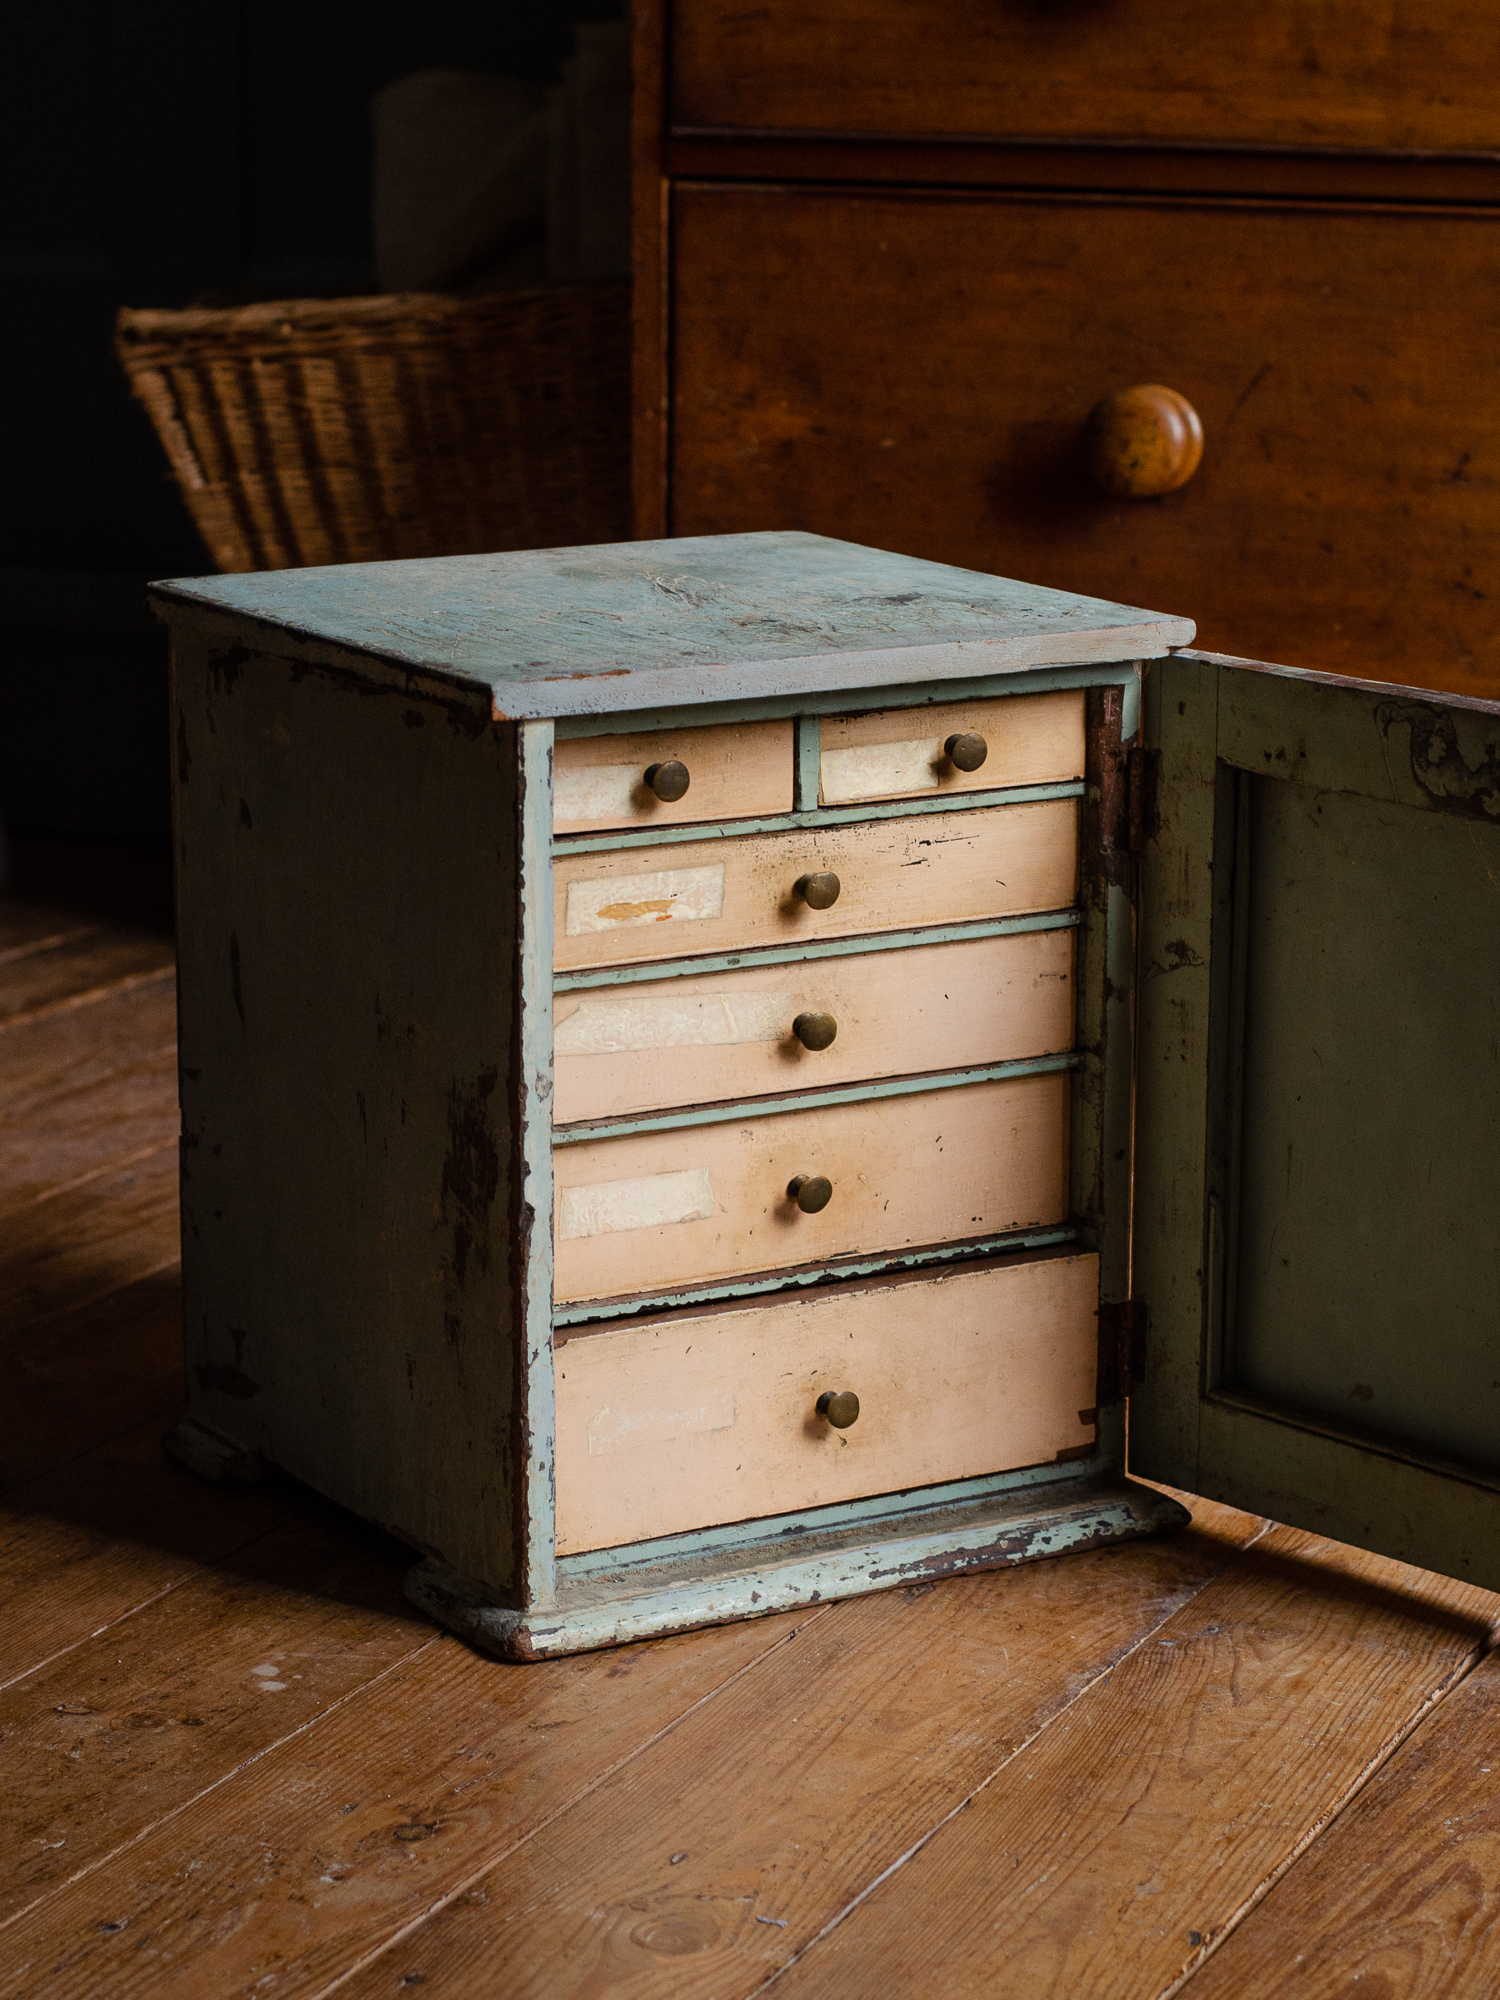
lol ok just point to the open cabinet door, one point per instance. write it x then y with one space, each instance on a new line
1317 1156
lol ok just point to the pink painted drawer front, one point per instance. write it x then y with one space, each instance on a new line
707 1040
709 1202
741 771
699 897
902 752
690 1420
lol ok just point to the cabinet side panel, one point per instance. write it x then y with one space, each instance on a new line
346 901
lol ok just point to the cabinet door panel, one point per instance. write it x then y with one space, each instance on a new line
916 370
1318 1110
1340 74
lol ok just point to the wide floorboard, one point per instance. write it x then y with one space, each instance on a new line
1241 1762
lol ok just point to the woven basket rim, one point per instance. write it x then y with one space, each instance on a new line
272 318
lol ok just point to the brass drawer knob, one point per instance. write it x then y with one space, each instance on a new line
815 1031
966 753
1144 442
668 781
819 892
810 1192
840 1406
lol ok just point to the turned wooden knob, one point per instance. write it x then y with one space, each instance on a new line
668 781
840 1406
966 753
810 1192
815 1031
819 892
1143 442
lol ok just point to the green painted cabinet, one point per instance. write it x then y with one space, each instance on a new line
711 1068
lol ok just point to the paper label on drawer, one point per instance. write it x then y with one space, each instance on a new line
607 791
874 769
668 895
648 1202
612 1429
610 1024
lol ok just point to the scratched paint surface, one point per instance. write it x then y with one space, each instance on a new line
664 895
600 792
644 1201
608 1024
650 1424
873 770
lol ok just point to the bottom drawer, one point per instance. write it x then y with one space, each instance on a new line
689 1420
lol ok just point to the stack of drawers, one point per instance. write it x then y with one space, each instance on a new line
656 1055
811 1098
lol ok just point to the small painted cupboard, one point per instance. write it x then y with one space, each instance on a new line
711 1069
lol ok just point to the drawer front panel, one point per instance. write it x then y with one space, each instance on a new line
902 753
710 1202
1155 70
713 896
694 1420
736 772
1306 338
670 1042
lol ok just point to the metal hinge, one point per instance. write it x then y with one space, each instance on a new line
1122 1348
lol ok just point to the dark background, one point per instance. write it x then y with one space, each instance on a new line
150 153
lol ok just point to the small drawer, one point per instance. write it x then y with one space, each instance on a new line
704 1203
903 752
690 1420
741 772
899 874
713 1038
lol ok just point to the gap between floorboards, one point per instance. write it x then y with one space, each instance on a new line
1418 1720
1264 1528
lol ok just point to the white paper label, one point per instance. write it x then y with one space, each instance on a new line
613 1428
611 1024
606 791
649 1202
875 770
669 895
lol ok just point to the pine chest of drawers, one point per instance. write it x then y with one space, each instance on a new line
656 1030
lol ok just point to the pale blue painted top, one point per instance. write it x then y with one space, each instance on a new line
631 625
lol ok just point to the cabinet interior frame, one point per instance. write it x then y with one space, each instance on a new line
1101 1064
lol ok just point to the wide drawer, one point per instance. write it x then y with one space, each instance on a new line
714 896
903 752
693 1419
1305 338
1167 71
600 782
716 1037
662 1210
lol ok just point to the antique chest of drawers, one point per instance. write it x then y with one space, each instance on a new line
891 256
657 1030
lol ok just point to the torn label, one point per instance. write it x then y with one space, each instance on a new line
875 768
669 895
649 1202
612 1429
607 791
616 1023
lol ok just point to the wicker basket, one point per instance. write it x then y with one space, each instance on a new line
354 430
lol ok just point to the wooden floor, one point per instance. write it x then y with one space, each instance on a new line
1242 1761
